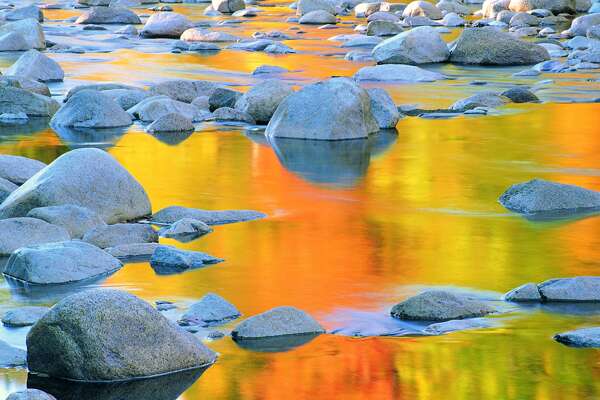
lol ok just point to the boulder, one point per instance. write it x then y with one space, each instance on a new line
488 46
109 335
481 99
20 232
109 15
423 9
86 177
11 357
520 95
227 114
60 262
580 25
6 188
75 219
172 122
35 65
165 25
383 28
25 83
262 100
126 98
452 6
384 110
30 394
91 109
153 108
193 35
17 169
134 250
168 260
173 214
383 16
31 11
397 72
541 196
586 337
439 305
317 17
24 316
13 41
228 6
492 8
523 19
223 97
99 87
306 6
364 10
556 6
452 20
210 310
30 29
118 234
578 289
279 321
334 109
185 228
421 45
524 293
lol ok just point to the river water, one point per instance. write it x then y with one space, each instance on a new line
353 228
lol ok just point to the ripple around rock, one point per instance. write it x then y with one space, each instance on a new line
110 335
173 214
167 260
439 305
60 263
586 337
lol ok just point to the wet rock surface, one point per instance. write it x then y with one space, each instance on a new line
438 305
280 321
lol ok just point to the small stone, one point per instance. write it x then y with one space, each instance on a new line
168 260
279 321
171 122
526 292
24 316
210 310
185 228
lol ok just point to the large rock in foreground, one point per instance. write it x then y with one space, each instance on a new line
88 178
420 45
578 289
20 232
540 196
91 109
62 262
279 321
334 109
489 46
173 214
439 305
587 337
108 335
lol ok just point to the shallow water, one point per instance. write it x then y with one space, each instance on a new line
354 228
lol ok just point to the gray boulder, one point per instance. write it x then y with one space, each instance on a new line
540 196
306 6
17 169
383 28
580 25
35 65
153 108
91 109
211 310
586 337
578 289
165 25
88 178
24 316
15 100
421 45
279 321
185 228
397 73
6 188
526 292
13 41
203 39
439 305
100 87
228 6
113 235
75 219
452 6
184 90
334 109
31 11
30 29
30 394
108 335
19 232
173 214
384 110
520 95
262 100
133 250
317 17
555 6
489 46
168 260
223 97
62 262
11 357
481 99
423 9
172 122
126 98
227 114
109 15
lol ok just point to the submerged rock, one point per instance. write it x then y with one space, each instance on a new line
279 321
108 335
118 234
11 357
88 178
578 289
75 219
421 45
62 262
173 214
185 228
16 100
526 292
30 394
262 100
91 109
586 337
211 310
539 196
334 109
24 316
439 305
19 232
168 260
489 46
17 169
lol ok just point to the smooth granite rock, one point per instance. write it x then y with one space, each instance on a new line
420 45
279 321
91 109
118 234
523 293
15 100
578 289
17 169
23 316
185 228
168 260
439 305
210 310
75 219
173 214
20 232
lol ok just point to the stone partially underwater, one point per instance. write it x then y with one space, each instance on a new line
580 289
